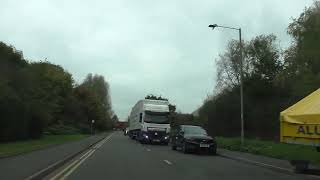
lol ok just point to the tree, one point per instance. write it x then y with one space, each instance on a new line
302 59
93 93
262 65
153 97
40 97
306 34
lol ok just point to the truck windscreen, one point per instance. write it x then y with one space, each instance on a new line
156 118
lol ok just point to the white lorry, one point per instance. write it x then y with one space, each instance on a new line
149 122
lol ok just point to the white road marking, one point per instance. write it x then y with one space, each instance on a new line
75 164
269 165
314 176
168 162
70 165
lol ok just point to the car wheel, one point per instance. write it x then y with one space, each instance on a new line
173 147
214 151
185 148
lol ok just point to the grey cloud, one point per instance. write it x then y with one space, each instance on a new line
141 47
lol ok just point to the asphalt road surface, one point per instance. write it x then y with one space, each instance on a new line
120 158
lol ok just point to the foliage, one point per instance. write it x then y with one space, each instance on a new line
272 79
155 97
40 96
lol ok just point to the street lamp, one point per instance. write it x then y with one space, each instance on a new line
241 74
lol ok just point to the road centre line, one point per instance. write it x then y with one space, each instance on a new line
70 165
79 161
76 166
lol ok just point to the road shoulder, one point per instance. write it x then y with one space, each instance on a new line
279 165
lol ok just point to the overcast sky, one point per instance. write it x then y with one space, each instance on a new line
141 46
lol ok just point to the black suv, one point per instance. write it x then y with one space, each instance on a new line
192 138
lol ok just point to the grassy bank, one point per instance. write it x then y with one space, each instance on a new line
13 148
271 149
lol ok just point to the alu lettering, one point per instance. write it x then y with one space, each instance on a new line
308 130
301 130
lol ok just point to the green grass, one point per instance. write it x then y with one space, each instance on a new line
271 149
14 148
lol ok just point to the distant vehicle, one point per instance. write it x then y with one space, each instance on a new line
192 139
125 131
149 122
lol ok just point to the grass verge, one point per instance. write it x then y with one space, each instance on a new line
271 149
14 148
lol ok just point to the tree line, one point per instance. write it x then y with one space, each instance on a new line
273 79
41 97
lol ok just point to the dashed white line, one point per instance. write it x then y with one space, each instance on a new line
168 162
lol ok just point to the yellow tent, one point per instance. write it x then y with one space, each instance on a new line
300 123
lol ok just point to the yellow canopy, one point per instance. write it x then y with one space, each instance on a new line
306 111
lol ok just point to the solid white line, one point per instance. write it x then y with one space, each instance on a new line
168 162
269 165
80 160
76 166
70 165
314 176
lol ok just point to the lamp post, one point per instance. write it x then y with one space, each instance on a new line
241 74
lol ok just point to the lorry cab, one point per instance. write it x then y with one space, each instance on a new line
149 121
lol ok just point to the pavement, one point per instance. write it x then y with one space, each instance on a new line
24 165
118 157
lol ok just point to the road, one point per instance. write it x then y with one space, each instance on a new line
121 158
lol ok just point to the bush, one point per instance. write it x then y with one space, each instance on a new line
62 130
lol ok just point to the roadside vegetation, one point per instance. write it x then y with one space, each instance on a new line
270 149
274 79
38 97
18 147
